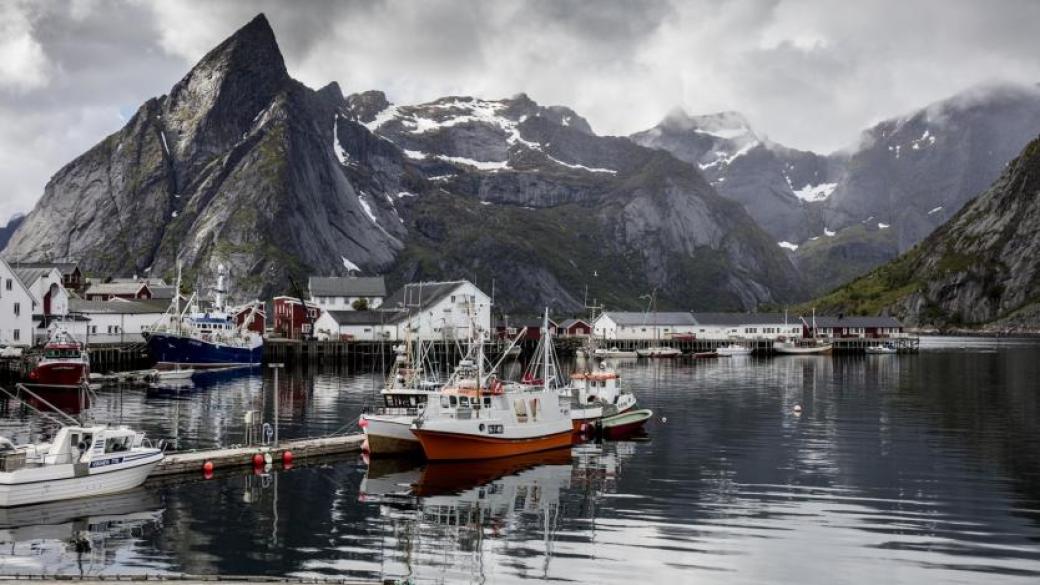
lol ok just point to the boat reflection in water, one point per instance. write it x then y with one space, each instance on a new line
76 537
459 521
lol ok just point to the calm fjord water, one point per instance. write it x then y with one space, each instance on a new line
900 469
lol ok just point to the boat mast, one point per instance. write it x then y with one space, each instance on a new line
546 340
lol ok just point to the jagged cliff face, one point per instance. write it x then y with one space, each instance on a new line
233 167
530 197
242 166
980 267
847 212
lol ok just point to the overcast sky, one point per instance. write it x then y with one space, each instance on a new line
807 73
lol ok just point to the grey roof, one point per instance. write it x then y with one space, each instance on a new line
421 294
147 280
376 317
115 288
161 292
29 275
856 321
571 322
642 318
740 319
115 307
65 268
347 286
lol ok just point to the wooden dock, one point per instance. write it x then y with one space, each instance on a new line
301 449
367 352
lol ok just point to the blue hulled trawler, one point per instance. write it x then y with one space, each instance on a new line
205 337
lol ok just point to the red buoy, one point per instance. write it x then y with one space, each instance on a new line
363 422
287 457
258 460
207 475
207 467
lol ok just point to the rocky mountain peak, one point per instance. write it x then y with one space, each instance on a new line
365 106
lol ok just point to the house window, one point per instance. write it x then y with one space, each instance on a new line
10 284
17 308
453 298
17 334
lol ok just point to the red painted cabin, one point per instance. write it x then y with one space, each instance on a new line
291 317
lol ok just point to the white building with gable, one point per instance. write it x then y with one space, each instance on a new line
16 309
442 310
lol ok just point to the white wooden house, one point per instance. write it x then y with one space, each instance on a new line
643 325
746 326
377 325
442 310
113 321
339 293
16 308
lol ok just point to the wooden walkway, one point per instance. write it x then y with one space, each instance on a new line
301 449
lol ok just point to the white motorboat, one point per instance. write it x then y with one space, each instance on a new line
613 352
388 428
81 461
881 349
596 394
178 374
733 349
659 351
806 347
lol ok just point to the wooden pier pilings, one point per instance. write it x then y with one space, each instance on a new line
296 351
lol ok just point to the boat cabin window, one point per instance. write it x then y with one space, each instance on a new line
534 409
454 401
520 408
487 402
464 401
117 444
444 402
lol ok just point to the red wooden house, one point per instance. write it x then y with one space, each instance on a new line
291 319
257 319
575 328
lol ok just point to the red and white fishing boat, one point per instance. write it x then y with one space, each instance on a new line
65 362
479 417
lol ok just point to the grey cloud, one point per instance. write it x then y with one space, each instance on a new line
807 73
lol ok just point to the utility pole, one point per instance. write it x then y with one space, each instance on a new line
276 367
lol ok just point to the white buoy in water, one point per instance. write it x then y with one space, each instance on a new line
664 419
798 409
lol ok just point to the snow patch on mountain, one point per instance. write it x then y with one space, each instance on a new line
816 192
477 164
723 159
936 210
581 167
341 154
788 245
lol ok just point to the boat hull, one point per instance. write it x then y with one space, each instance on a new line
445 446
179 350
120 478
390 435
59 374
625 424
